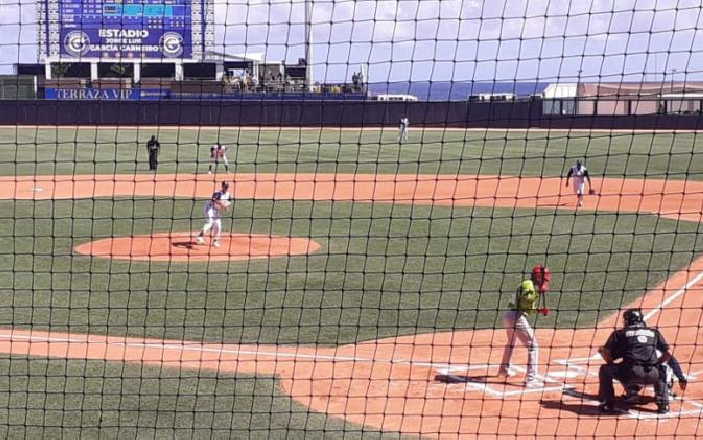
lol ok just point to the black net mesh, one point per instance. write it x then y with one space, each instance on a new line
333 219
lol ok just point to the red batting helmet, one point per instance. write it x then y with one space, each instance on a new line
542 276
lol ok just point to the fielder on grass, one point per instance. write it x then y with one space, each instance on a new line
517 326
218 152
214 207
153 147
403 130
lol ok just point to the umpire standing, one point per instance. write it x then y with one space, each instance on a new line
153 147
637 346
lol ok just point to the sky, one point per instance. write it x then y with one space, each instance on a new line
446 40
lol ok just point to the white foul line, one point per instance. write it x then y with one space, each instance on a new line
654 311
195 347
276 354
674 296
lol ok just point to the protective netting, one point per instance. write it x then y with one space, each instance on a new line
328 219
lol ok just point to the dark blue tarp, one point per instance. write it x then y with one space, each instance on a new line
306 113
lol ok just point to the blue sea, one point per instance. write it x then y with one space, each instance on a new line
455 91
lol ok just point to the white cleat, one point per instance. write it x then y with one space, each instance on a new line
200 240
216 243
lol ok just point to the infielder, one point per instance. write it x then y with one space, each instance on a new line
218 152
580 175
213 212
403 130
517 326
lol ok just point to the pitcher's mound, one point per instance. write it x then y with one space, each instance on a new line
182 246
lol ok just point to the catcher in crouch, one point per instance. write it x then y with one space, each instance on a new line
643 351
214 207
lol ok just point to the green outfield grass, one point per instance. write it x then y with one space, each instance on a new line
50 399
383 270
27 151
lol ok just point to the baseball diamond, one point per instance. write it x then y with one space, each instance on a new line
359 220
433 250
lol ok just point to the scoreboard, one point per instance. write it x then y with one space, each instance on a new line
118 29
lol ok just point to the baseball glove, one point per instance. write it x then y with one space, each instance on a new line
592 192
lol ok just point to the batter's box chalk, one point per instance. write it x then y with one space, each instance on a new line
565 374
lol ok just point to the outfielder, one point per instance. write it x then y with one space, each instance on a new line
517 327
580 175
213 212
403 130
218 152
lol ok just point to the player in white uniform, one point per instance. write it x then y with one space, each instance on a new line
580 175
403 130
218 153
213 212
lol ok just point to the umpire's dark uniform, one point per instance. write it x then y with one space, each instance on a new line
153 147
637 346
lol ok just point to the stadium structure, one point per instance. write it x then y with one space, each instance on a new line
156 49
205 243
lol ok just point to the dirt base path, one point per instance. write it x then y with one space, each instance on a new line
390 384
676 199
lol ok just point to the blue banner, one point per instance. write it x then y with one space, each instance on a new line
91 94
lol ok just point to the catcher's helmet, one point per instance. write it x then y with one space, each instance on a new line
633 317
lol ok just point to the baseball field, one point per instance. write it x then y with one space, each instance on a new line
355 270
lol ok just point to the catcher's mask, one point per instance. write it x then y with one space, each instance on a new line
633 317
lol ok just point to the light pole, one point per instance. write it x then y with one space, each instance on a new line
577 103
308 46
